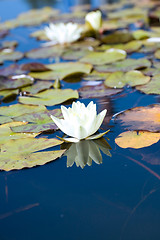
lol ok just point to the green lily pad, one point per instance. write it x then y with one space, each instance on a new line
45 52
9 55
37 87
4 94
152 87
37 122
151 71
88 43
5 119
96 76
97 91
15 82
18 153
50 97
6 133
129 12
100 58
141 34
30 18
62 70
125 65
117 37
75 55
19 109
157 54
120 79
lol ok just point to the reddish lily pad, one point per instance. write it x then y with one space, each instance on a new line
141 118
13 69
15 82
37 122
50 97
97 91
34 67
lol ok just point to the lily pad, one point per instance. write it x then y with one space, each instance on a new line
117 37
34 67
5 119
134 139
15 82
4 94
141 118
97 91
157 54
62 70
13 69
50 97
18 154
19 109
6 133
125 65
120 79
75 55
96 76
9 55
100 58
152 87
45 52
37 87
37 122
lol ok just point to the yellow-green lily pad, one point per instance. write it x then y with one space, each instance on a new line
23 153
100 58
4 94
37 87
152 87
125 65
117 37
62 70
45 52
9 55
50 97
120 79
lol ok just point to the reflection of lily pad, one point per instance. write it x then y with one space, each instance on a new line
18 154
6 133
50 97
152 87
134 139
141 118
19 109
97 91
125 65
62 70
37 122
99 58
120 79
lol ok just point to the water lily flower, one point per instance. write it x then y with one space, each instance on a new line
94 20
62 33
80 122
84 152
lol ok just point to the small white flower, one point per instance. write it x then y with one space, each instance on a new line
94 20
63 33
80 122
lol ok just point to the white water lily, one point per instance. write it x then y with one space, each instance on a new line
80 122
62 33
94 20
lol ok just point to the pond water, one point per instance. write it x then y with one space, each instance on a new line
116 200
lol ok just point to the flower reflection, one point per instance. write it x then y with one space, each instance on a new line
84 152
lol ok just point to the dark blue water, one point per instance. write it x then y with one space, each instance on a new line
116 200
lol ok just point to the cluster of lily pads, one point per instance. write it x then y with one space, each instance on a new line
107 54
